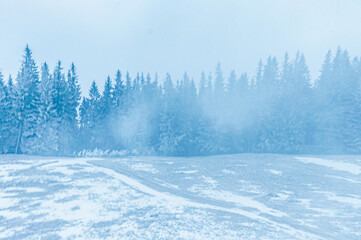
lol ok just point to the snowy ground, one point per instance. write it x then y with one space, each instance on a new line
244 196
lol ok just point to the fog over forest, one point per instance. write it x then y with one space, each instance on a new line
191 119
279 109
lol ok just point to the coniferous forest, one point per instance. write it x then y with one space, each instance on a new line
279 109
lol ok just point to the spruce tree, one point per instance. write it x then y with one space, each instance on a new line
28 104
13 115
60 101
71 111
107 98
266 90
219 83
202 87
349 106
118 91
106 108
48 139
289 118
168 139
4 116
93 116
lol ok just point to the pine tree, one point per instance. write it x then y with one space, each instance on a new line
219 83
136 89
142 116
106 108
232 85
338 101
85 123
288 121
13 115
168 139
4 117
28 104
324 113
187 112
61 104
287 73
128 83
128 92
154 118
90 115
207 96
94 98
202 87
277 111
219 103
118 91
48 139
72 104
266 92
142 81
107 97
326 73
60 93
270 75
349 106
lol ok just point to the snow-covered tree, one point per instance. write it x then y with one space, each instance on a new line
28 104
72 103
168 139
119 91
4 116
12 116
47 128
90 118
276 110
106 117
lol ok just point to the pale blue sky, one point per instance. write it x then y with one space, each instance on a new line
101 36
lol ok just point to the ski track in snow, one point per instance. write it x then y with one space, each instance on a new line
142 186
336 165
187 203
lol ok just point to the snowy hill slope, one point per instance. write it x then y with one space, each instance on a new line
246 196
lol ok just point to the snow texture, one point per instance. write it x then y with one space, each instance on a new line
245 196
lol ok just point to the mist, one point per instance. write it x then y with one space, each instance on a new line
279 109
173 36
191 78
191 119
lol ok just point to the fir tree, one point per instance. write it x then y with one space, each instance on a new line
4 116
168 139
28 104
106 108
107 97
60 101
12 115
219 83
90 118
202 87
48 137
118 91
73 100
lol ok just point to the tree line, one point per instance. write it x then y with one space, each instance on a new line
278 110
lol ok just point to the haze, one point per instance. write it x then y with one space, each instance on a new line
100 36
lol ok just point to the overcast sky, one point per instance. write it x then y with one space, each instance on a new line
174 36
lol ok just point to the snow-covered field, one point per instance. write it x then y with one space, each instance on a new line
247 196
